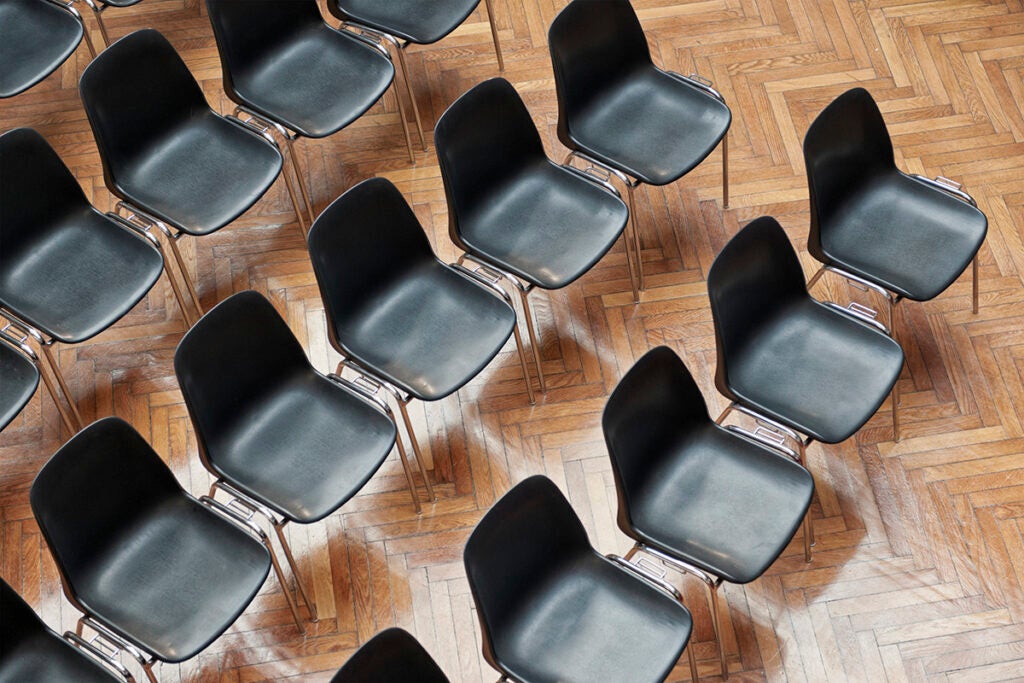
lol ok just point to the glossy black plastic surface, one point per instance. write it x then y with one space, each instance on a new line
163 148
690 488
615 105
392 305
36 37
267 421
281 60
553 609
873 220
31 652
417 21
67 269
138 553
391 656
785 355
19 378
508 203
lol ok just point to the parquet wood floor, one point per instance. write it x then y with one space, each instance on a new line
918 573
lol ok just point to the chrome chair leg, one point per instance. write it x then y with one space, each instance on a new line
896 410
88 42
524 298
176 289
807 536
150 676
693 660
725 171
64 416
717 623
98 13
809 531
405 122
408 474
637 251
184 273
974 277
412 97
300 215
299 583
522 362
301 178
416 449
494 35
55 369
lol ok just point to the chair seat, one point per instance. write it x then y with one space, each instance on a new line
35 38
721 503
546 226
417 21
910 238
80 277
391 656
592 621
305 449
46 656
19 378
428 332
316 84
816 370
202 176
175 579
651 126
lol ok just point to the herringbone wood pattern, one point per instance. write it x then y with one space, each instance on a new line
918 573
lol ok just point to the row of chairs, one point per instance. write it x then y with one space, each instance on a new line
37 36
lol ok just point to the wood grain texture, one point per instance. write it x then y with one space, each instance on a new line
918 573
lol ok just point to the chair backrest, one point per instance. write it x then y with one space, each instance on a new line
36 189
846 146
93 488
655 405
593 43
391 655
485 137
240 350
524 538
360 242
135 92
756 275
247 30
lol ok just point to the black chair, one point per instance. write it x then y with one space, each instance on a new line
19 377
406 22
619 112
512 210
552 608
282 439
68 271
397 312
99 6
177 165
155 572
36 37
32 651
719 503
289 71
391 656
804 369
905 236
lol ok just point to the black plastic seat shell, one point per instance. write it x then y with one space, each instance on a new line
418 21
391 656
906 233
32 651
704 499
174 158
36 37
143 558
552 609
19 378
811 366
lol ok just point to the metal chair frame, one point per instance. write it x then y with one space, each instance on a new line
400 47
